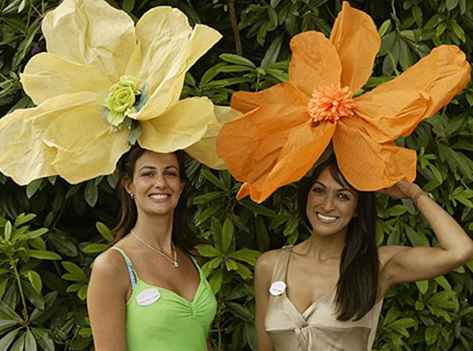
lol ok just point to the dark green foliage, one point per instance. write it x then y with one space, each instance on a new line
45 258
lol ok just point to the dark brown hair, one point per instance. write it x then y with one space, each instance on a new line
128 212
357 287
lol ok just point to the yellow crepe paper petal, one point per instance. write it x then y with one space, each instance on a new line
370 166
179 127
168 48
314 63
87 146
25 156
205 150
91 32
357 41
442 74
64 136
47 75
163 33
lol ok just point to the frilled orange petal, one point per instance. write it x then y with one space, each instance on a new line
314 63
387 116
357 41
303 147
368 165
246 143
284 93
442 74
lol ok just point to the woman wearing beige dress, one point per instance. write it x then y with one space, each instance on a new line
326 292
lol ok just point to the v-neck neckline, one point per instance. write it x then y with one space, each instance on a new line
308 311
172 292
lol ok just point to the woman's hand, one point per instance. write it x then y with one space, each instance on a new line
403 190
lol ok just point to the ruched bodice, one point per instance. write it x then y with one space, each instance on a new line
317 328
159 319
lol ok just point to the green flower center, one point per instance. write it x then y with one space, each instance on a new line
121 100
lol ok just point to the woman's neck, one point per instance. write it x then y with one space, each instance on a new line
326 247
156 230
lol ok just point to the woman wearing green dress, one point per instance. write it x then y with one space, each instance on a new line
147 292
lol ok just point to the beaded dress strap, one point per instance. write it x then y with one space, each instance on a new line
129 266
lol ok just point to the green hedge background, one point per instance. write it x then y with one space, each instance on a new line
51 231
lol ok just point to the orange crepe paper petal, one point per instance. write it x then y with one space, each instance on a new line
245 142
357 41
304 146
387 116
279 94
369 166
314 63
442 74
243 192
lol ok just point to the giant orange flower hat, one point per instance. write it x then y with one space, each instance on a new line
286 128
104 84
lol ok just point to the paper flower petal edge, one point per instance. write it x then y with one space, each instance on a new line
370 166
205 150
442 74
47 76
91 32
314 63
178 128
357 42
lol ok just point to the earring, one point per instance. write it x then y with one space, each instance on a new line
132 196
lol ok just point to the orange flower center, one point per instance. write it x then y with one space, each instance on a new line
331 103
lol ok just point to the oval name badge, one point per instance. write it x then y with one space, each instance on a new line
277 288
148 296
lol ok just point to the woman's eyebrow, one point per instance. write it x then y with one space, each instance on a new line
153 167
339 189
147 167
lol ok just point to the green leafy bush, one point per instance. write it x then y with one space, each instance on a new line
45 257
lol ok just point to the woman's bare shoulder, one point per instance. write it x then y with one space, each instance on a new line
266 261
109 265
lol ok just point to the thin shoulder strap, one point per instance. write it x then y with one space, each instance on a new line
129 266
280 269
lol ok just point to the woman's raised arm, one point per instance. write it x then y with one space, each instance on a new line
406 264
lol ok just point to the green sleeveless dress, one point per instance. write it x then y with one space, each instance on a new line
158 319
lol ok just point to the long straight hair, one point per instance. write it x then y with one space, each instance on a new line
128 212
357 287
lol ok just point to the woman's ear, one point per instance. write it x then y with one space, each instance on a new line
127 184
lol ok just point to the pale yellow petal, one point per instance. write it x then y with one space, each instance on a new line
25 156
86 145
168 47
179 127
205 150
64 136
47 75
91 32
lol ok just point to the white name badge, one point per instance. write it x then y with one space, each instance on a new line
277 288
148 296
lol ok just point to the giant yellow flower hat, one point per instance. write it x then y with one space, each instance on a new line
104 84
285 128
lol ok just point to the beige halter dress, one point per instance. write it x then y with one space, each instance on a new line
317 328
